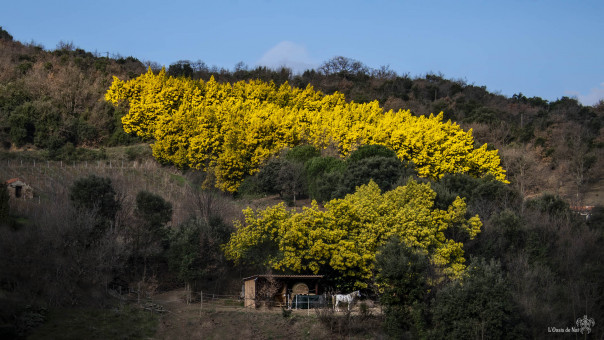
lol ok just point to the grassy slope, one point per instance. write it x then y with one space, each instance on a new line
216 320
123 323
129 174
219 321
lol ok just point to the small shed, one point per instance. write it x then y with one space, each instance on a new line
17 189
279 290
585 211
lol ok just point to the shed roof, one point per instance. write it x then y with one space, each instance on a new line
582 208
12 180
284 277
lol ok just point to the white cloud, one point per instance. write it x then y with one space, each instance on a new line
289 54
593 97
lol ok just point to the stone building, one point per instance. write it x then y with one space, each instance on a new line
17 189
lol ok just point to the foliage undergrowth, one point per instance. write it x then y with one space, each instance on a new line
128 322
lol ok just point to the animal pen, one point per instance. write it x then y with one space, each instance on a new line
286 291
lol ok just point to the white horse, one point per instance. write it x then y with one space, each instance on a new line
348 298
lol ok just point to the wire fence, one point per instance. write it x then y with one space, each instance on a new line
99 164
51 181
207 301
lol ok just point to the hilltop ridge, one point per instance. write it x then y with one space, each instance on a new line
52 100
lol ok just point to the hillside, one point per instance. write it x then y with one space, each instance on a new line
52 100
451 209
129 174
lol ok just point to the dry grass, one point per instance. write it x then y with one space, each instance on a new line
216 321
51 181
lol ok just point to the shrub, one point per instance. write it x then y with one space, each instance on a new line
4 204
385 171
478 306
368 151
95 194
153 209
302 153
323 175
403 274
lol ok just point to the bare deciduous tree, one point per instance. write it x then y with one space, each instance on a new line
523 168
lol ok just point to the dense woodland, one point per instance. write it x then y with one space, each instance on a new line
457 255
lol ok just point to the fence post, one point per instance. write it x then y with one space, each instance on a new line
200 302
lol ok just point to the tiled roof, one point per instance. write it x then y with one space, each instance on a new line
582 208
12 180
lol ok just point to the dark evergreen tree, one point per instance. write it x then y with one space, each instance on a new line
95 194
403 275
478 306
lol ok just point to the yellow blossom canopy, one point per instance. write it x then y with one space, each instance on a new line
232 129
344 237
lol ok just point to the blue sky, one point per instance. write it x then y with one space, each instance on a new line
541 48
